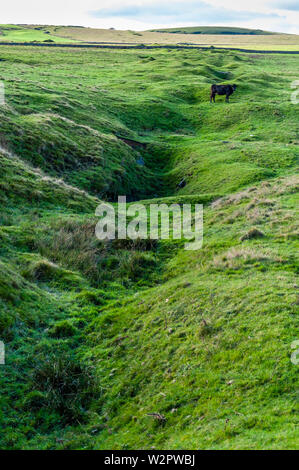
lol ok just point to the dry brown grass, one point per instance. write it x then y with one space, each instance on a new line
260 195
73 244
256 215
234 216
274 42
251 234
235 257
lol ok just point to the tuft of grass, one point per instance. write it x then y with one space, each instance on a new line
45 271
238 256
252 233
66 386
62 329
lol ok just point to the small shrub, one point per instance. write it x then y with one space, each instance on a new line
67 385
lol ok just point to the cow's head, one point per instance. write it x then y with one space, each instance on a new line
234 87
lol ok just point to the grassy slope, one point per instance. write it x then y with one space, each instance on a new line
103 334
213 30
28 33
71 34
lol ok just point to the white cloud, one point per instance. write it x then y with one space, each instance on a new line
77 12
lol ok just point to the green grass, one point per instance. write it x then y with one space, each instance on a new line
15 33
99 336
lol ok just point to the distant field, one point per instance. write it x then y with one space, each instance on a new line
71 34
213 30
266 42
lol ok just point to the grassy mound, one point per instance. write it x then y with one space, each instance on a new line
212 30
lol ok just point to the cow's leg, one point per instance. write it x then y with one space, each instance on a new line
227 97
212 97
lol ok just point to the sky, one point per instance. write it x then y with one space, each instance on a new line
272 15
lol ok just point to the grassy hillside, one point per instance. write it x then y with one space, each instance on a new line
99 336
29 33
210 36
213 30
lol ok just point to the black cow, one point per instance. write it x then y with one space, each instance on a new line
222 90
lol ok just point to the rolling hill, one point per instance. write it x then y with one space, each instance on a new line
213 30
210 36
